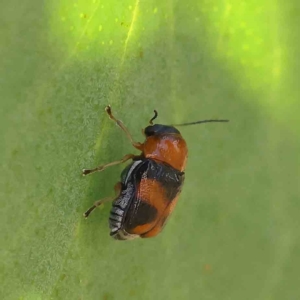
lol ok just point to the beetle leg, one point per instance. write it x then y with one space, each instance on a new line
102 167
136 145
96 204
117 188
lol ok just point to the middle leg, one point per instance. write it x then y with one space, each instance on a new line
103 167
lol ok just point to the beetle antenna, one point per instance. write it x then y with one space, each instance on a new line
199 122
155 116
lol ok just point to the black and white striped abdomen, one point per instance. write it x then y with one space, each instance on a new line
121 204
115 219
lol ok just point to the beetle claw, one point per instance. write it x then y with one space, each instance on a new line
85 172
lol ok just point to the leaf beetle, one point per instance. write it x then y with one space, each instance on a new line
150 185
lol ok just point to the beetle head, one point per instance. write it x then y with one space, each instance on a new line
159 129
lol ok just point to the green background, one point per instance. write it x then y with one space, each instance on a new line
235 231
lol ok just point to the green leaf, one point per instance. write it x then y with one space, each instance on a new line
234 233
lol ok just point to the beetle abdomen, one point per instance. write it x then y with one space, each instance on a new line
148 190
118 213
121 204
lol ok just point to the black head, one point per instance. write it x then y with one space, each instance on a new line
158 129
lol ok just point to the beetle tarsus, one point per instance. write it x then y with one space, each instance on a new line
108 110
87 213
86 172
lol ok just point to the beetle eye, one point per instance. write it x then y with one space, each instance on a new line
149 131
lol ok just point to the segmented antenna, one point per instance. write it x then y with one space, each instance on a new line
155 116
199 122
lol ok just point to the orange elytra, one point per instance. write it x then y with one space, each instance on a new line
150 186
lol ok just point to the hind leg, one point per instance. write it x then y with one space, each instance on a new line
117 188
96 204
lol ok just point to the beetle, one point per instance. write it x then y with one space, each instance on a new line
150 185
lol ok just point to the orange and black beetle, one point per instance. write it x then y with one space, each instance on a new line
150 185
